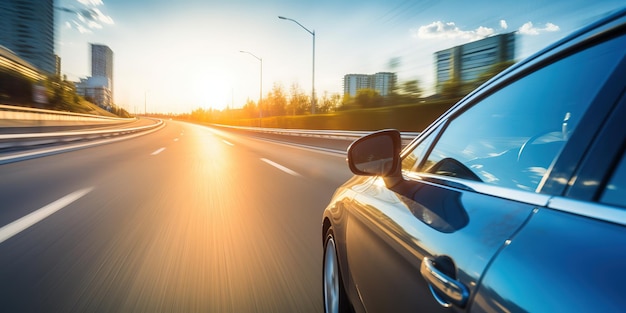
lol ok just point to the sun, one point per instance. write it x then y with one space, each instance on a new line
211 91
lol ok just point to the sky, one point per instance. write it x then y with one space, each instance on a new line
178 56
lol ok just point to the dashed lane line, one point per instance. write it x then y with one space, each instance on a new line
280 167
158 151
33 218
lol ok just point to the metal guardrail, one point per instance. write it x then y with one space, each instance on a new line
9 112
34 139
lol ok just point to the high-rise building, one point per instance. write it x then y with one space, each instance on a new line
382 82
99 87
353 82
27 29
465 63
102 62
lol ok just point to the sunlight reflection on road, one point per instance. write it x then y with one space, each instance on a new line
213 239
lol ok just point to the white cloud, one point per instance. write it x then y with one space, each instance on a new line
483 32
89 17
91 2
97 15
92 24
80 28
552 28
529 29
449 30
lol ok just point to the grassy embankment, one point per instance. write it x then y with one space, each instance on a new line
410 117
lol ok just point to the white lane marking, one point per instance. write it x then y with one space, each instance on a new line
228 143
280 167
33 218
158 151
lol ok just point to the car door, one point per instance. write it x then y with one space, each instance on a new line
570 256
472 181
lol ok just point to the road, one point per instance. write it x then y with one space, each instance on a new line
185 219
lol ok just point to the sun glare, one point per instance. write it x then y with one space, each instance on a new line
211 91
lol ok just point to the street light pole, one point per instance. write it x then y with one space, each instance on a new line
313 79
260 84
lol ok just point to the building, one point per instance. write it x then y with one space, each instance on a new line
101 61
383 82
27 29
467 62
99 87
96 90
353 82
57 65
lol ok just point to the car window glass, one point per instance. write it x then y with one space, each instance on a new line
511 137
615 191
413 159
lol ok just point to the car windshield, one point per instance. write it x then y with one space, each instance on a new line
176 155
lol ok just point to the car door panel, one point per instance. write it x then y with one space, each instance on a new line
389 232
551 264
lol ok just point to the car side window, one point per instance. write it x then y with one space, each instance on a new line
413 159
615 191
511 137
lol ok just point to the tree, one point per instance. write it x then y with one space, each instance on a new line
347 103
491 72
411 90
62 94
450 89
367 98
276 102
454 89
329 103
250 109
298 102
202 115
407 92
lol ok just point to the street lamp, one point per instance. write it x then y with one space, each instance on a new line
313 80
260 83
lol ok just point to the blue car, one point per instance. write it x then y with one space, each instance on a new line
512 201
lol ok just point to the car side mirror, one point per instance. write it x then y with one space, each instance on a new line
376 154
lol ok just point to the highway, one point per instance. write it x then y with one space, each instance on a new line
184 219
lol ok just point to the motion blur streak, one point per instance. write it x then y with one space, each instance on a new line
205 226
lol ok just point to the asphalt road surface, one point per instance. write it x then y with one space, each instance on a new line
185 219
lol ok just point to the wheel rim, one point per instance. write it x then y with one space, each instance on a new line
331 278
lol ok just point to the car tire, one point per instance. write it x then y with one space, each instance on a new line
335 299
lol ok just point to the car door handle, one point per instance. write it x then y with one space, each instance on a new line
445 289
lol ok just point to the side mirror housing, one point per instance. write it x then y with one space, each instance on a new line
377 154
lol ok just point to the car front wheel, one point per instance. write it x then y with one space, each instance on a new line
335 299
